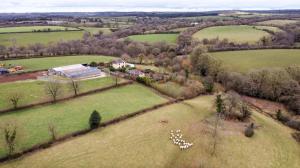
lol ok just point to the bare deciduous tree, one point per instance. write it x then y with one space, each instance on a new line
74 85
52 131
10 136
215 133
53 89
14 99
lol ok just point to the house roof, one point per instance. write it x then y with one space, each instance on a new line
118 61
69 67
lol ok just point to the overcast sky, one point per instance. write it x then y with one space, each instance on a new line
141 5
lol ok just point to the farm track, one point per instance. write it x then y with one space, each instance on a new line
20 77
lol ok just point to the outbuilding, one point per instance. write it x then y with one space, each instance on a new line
3 71
76 71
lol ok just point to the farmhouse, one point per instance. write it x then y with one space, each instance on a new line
117 64
78 71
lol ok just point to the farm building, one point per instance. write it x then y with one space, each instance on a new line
117 64
136 73
78 71
3 71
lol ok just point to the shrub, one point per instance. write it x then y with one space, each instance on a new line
144 80
112 69
246 113
294 124
281 117
208 84
93 64
249 131
94 120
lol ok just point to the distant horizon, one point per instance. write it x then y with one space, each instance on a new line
55 6
163 11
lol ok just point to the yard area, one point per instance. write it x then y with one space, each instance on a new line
73 115
244 61
34 64
33 91
144 142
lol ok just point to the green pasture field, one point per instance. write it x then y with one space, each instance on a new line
73 115
144 142
34 28
170 88
278 22
244 61
273 29
34 64
234 33
25 39
95 30
153 38
34 91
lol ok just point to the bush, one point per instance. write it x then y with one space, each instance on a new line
93 64
208 84
144 80
112 69
281 117
294 124
94 120
246 113
249 131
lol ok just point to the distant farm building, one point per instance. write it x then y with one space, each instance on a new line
119 63
77 71
136 73
3 71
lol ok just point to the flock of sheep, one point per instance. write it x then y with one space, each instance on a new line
177 139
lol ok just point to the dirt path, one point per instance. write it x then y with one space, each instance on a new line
19 77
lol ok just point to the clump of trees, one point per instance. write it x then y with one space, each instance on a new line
273 84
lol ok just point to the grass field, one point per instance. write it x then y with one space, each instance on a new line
24 39
243 61
153 38
33 91
34 28
50 62
170 88
73 115
273 29
234 33
277 22
95 30
144 142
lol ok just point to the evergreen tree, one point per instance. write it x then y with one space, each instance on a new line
94 120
